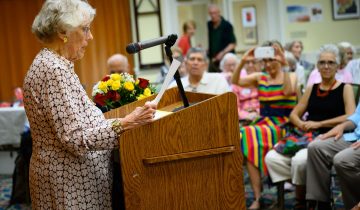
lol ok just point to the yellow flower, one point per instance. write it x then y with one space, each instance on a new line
141 96
116 77
129 86
103 87
115 85
109 82
137 82
147 92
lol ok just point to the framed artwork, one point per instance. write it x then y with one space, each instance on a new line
249 24
250 35
345 9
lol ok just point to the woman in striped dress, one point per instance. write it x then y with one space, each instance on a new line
277 96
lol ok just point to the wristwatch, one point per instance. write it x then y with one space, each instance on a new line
117 127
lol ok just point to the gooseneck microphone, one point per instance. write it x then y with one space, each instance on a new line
137 46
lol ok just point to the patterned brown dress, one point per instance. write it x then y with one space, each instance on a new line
72 141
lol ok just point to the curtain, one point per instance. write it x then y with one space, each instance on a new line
111 29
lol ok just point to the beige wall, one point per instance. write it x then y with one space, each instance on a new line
198 13
261 16
315 34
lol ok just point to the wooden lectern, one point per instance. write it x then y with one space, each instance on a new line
189 159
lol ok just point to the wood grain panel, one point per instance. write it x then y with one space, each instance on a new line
206 182
18 46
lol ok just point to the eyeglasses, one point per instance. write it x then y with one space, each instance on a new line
330 64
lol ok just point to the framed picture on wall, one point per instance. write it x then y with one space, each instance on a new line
250 35
345 9
249 24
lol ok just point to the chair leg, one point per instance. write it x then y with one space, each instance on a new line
280 196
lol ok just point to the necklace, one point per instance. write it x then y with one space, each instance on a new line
326 92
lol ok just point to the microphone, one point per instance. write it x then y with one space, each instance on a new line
136 47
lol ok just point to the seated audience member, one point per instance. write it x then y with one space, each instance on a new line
354 68
277 96
298 69
296 48
347 52
176 54
184 42
339 147
19 97
227 66
118 63
198 79
289 162
247 97
342 74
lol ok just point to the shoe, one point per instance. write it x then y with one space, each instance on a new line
300 205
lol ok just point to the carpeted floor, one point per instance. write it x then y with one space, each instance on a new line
5 194
269 195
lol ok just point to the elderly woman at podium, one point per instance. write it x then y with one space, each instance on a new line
72 141
277 96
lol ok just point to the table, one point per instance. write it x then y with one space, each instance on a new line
12 123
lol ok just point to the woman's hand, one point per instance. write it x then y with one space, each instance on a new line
249 55
140 116
279 55
311 125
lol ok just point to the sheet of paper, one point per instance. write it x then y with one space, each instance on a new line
170 75
160 114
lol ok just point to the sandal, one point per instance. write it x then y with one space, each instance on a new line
260 201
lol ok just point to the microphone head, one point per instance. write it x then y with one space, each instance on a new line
133 48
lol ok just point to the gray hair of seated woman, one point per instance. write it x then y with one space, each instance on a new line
330 48
343 46
60 17
226 57
197 50
290 58
347 45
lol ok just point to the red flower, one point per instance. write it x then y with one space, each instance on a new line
100 99
113 95
143 83
106 78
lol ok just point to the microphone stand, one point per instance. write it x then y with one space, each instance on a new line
168 44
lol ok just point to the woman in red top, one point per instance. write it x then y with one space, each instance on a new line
184 43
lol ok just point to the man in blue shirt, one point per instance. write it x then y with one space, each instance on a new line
341 150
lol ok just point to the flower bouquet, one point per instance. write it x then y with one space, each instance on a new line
116 90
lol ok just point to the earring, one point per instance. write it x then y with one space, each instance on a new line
65 39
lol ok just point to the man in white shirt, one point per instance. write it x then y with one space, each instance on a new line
198 79
354 68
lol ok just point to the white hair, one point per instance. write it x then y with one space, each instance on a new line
289 56
330 48
226 57
58 16
347 45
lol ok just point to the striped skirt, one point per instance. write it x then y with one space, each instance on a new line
260 137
